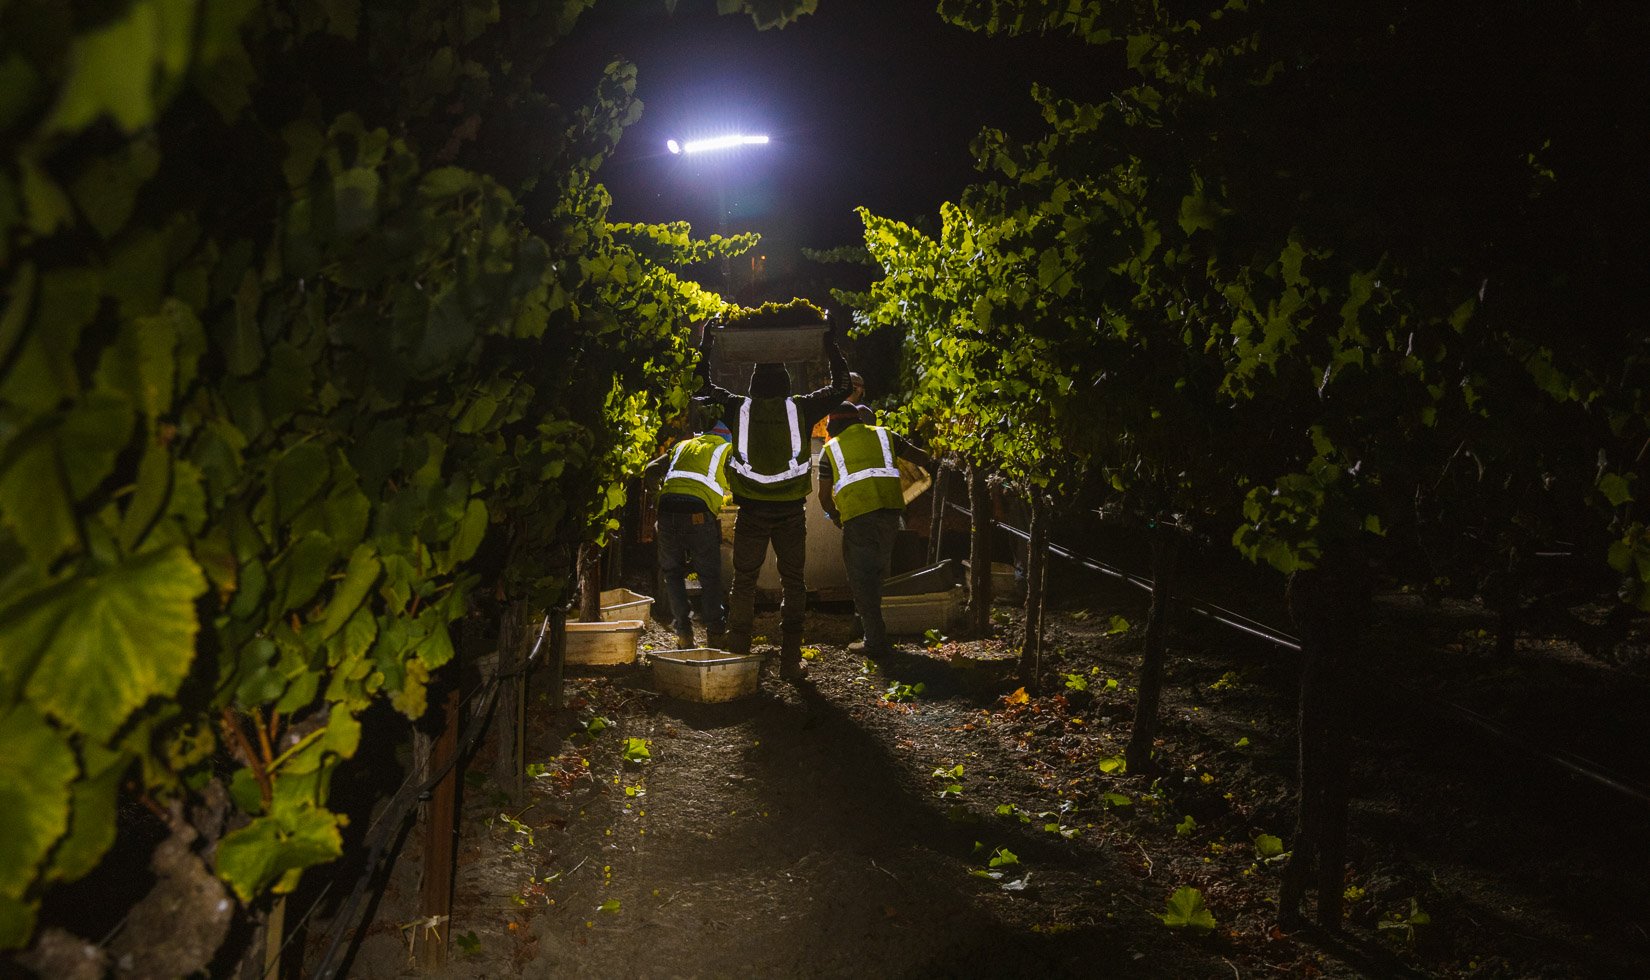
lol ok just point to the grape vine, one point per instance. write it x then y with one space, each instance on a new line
314 334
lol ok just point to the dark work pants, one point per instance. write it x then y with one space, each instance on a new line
682 541
753 530
867 551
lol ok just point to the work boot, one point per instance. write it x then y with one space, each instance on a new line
716 639
684 641
738 642
859 649
790 657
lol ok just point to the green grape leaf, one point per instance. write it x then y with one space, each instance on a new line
297 477
436 648
33 503
92 814
43 201
302 682
224 72
359 577
106 190
44 370
20 298
1185 910
113 67
272 848
92 434
16 921
1198 212
471 529
445 182
355 198
239 337
154 480
140 364
304 143
300 573
1616 488
352 643
36 770
408 697
95 647
341 737
1291 260
139 260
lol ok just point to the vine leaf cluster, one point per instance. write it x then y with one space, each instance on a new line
314 339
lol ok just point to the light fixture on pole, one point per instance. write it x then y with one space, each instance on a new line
728 142
715 143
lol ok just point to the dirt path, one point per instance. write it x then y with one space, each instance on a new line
794 834
830 829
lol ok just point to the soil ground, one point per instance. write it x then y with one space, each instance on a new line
830 829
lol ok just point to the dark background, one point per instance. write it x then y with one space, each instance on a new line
867 102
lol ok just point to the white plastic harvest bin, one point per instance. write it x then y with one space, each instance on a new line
703 674
622 604
603 644
913 615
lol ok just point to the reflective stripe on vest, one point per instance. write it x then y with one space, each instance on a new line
740 463
844 478
871 487
707 478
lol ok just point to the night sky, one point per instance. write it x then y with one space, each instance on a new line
867 102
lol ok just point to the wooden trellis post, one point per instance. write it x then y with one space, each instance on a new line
435 893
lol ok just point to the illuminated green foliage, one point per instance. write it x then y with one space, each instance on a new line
291 375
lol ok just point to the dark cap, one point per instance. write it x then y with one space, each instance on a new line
769 379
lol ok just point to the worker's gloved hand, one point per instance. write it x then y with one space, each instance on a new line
702 366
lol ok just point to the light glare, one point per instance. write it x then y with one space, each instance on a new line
673 146
716 143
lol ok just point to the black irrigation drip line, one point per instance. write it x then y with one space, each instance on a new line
388 827
1439 706
1442 707
1219 614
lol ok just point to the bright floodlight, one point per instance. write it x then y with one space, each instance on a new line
716 143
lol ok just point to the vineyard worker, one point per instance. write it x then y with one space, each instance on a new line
768 472
855 394
688 531
860 491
